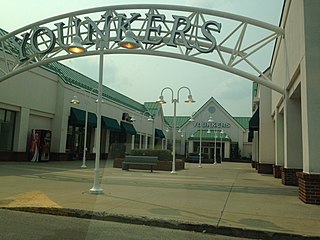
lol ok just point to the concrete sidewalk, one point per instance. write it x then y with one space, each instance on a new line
228 198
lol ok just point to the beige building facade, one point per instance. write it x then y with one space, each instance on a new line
41 99
287 143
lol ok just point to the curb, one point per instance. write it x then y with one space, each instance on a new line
170 224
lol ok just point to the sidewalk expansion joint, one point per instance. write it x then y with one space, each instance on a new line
226 201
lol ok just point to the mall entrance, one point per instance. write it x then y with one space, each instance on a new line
208 149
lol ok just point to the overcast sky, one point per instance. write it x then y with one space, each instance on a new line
143 77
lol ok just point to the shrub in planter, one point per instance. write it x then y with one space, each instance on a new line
163 155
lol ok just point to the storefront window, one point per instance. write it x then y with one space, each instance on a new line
137 141
75 141
7 120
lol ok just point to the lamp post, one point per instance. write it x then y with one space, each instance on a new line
215 147
215 142
221 135
76 101
77 47
166 143
200 139
174 101
153 135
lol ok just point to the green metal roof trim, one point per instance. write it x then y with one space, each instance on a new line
12 49
74 78
8 47
181 120
210 136
243 121
152 107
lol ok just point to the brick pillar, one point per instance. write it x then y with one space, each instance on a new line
289 176
276 171
265 168
309 187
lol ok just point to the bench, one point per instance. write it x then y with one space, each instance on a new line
194 158
139 160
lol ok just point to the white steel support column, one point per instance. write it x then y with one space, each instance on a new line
190 147
96 182
174 136
132 141
146 141
85 137
200 147
215 148
227 150
153 135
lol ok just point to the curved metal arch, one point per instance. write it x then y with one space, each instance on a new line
231 52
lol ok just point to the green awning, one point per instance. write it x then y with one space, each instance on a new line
213 135
111 124
253 125
77 118
159 133
128 128
254 121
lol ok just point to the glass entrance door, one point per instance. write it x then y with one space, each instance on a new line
211 150
208 153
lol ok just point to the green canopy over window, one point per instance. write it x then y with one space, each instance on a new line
159 133
253 125
111 124
254 121
77 118
128 128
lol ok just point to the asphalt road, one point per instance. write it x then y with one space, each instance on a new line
16 225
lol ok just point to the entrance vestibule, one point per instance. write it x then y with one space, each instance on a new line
208 151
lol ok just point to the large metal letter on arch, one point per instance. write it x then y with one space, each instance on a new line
185 33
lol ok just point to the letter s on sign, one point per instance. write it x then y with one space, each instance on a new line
207 34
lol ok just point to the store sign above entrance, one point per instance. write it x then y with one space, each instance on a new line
180 32
211 125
